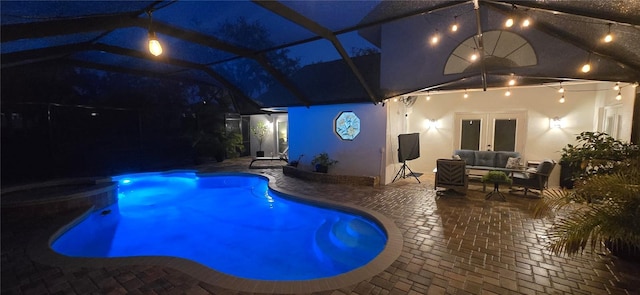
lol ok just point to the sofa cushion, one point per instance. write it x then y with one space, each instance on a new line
503 157
485 158
467 155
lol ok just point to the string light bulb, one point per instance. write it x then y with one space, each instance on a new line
619 96
561 99
617 86
454 26
154 45
512 82
561 90
608 38
508 23
474 55
428 96
435 38
526 22
466 95
508 93
586 67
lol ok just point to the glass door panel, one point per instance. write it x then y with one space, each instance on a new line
504 138
490 131
470 137
283 140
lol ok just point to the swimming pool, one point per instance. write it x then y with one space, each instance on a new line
233 224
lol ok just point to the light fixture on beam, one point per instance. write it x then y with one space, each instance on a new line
454 26
509 22
474 55
435 38
154 45
608 37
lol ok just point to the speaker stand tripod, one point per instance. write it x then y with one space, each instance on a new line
403 172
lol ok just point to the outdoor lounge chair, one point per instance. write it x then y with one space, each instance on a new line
452 174
281 157
534 179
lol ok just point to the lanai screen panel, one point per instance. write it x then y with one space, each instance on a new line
240 23
15 12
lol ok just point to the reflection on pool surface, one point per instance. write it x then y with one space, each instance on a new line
231 223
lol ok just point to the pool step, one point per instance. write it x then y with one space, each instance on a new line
345 244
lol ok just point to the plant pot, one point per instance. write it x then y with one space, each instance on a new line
624 251
259 153
322 168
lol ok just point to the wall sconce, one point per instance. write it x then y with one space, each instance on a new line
555 123
430 123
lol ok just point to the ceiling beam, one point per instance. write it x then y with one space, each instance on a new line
292 15
49 28
41 54
483 68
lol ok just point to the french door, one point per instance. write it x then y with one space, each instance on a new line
612 121
490 131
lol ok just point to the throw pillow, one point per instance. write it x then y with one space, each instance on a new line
456 157
512 163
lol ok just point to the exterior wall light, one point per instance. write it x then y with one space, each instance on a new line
555 123
430 124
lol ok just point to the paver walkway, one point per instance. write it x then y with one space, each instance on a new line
452 245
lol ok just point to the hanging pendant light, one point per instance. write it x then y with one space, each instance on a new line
608 38
454 26
154 45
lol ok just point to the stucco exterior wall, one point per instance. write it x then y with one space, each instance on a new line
579 113
311 131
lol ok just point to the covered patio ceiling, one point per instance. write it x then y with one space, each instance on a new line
272 54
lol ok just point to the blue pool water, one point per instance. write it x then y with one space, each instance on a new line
231 223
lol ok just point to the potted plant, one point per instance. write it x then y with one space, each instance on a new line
604 206
259 131
321 162
595 153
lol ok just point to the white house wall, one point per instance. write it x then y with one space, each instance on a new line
579 113
311 131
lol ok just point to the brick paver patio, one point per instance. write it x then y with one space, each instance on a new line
452 245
